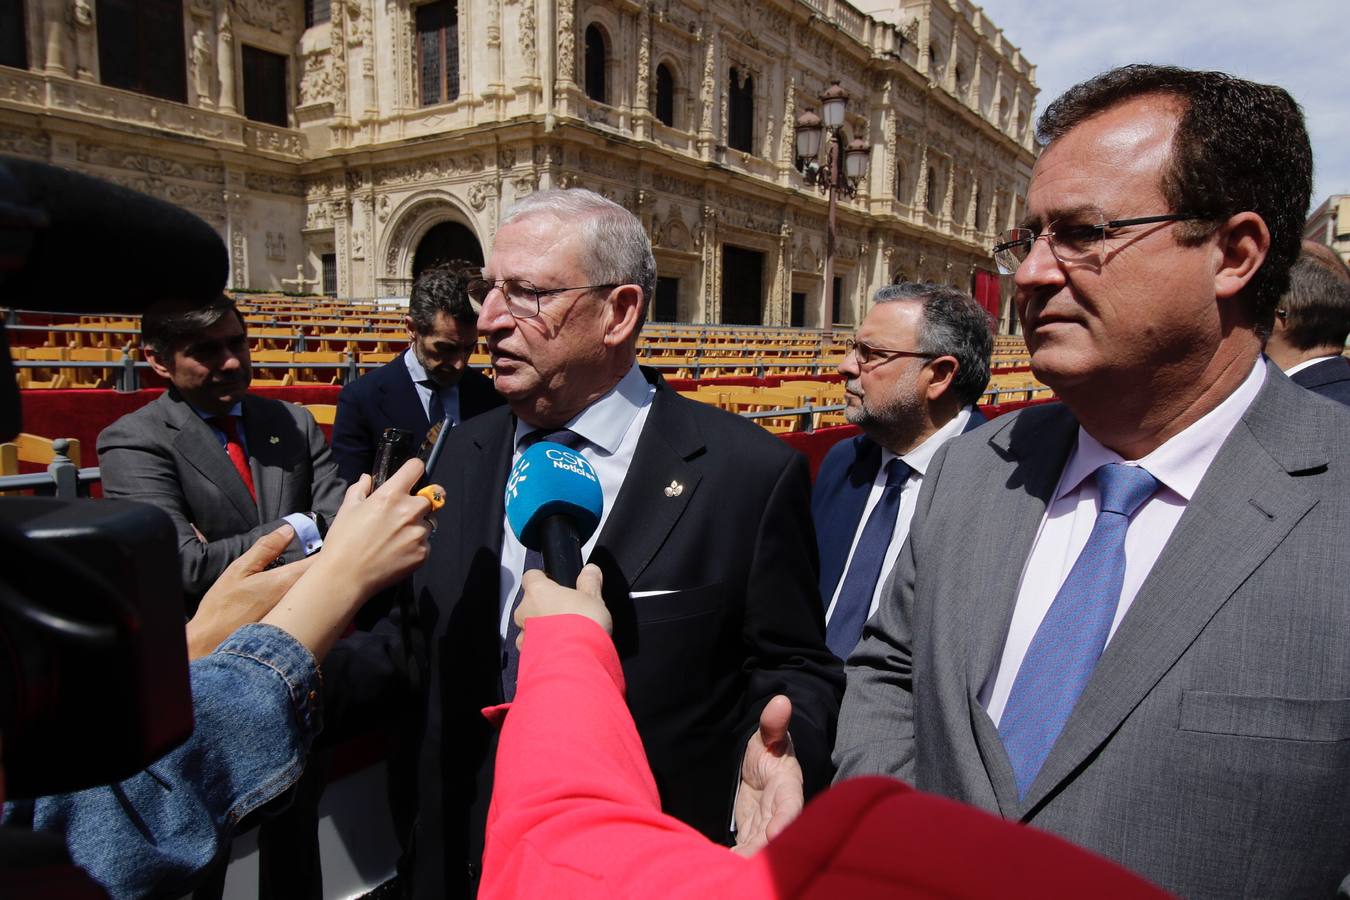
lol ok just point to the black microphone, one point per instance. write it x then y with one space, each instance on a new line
74 243
553 504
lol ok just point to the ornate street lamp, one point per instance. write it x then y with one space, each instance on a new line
842 173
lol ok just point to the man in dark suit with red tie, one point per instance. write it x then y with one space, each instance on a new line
918 365
423 385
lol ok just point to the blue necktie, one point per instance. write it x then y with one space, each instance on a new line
860 581
436 407
1073 633
533 560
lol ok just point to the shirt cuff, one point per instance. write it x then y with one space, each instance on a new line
306 530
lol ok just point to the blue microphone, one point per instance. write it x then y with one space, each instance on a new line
553 504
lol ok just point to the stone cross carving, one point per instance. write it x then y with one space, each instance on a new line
299 281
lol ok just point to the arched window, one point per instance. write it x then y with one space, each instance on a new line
665 95
899 181
932 191
741 111
596 57
981 220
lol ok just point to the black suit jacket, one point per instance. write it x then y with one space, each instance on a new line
732 543
1330 378
387 398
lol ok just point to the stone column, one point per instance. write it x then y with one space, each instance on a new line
57 61
225 58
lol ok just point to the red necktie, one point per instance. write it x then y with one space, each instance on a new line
229 425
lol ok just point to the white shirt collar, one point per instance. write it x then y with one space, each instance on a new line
1181 462
604 423
415 367
919 458
1309 362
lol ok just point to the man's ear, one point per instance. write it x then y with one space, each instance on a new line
942 374
412 332
157 363
624 316
1241 247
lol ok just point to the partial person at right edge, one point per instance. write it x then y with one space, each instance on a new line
918 365
1311 324
422 386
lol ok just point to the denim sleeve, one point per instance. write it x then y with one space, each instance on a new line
256 702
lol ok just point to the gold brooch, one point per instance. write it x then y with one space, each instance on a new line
674 489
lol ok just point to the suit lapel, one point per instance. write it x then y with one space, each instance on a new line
1245 506
268 444
837 520
481 485
1034 446
399 400
197 445
657 489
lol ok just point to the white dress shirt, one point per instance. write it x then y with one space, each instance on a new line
1179 465
449 395
917 460
611 427
1309 362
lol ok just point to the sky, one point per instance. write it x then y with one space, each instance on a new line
1301 45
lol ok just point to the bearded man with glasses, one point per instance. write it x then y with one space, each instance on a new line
914 374
705 544
1124 618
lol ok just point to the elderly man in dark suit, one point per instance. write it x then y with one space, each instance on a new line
1123 618
1312 322
917 366
227 467
427 384
705 543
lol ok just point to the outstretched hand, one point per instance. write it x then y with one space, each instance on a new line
772 789
380 536
544 597
377 538
245 592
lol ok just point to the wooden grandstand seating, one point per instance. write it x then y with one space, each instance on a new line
323 413
90 377
330 373
380 356
34 449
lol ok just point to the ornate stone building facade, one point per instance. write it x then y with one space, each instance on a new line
356 140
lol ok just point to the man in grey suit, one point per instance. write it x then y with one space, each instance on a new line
226 466
1125 619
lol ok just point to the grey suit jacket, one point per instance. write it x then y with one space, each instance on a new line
165 455
1211 750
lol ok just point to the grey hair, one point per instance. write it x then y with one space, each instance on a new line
953 325
615 248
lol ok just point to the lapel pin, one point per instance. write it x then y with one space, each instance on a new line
274 440
674 489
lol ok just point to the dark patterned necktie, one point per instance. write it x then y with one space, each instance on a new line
533 560
860 581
